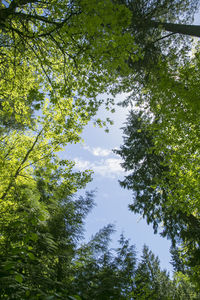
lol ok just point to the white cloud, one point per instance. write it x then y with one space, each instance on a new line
97 151
82 164
105 167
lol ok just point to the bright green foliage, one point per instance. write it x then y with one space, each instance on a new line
70 49
35 199
56 57
78 49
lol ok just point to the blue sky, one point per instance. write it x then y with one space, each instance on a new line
111 200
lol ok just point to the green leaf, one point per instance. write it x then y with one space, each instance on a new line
27 293
42 218
19 278
31 255
34 237
9 265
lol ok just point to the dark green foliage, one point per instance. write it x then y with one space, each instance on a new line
56 57
145 167
102 273
153 283
36 253
150 281
157 195
42 258
177 262
156 42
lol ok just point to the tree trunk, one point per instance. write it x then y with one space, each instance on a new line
192 30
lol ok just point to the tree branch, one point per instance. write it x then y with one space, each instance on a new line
164 37
37 17
15 3
191 30
20 166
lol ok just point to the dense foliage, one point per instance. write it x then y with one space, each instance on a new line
161 151
56 57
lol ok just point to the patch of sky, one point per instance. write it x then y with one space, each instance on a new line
111 200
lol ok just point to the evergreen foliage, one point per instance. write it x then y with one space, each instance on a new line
161 151
56 57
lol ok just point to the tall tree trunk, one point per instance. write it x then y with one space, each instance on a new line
192 30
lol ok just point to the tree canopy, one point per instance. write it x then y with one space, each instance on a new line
56 58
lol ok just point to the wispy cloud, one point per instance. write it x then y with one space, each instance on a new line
109 167
97 151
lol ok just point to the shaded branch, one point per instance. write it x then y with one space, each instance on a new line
164 37
191 30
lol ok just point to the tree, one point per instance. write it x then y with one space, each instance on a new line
153 283
103 273
161 149
38 36
40 227
161 14
40 230
35 197
46 34
160 30
56 57
150 281
52 70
